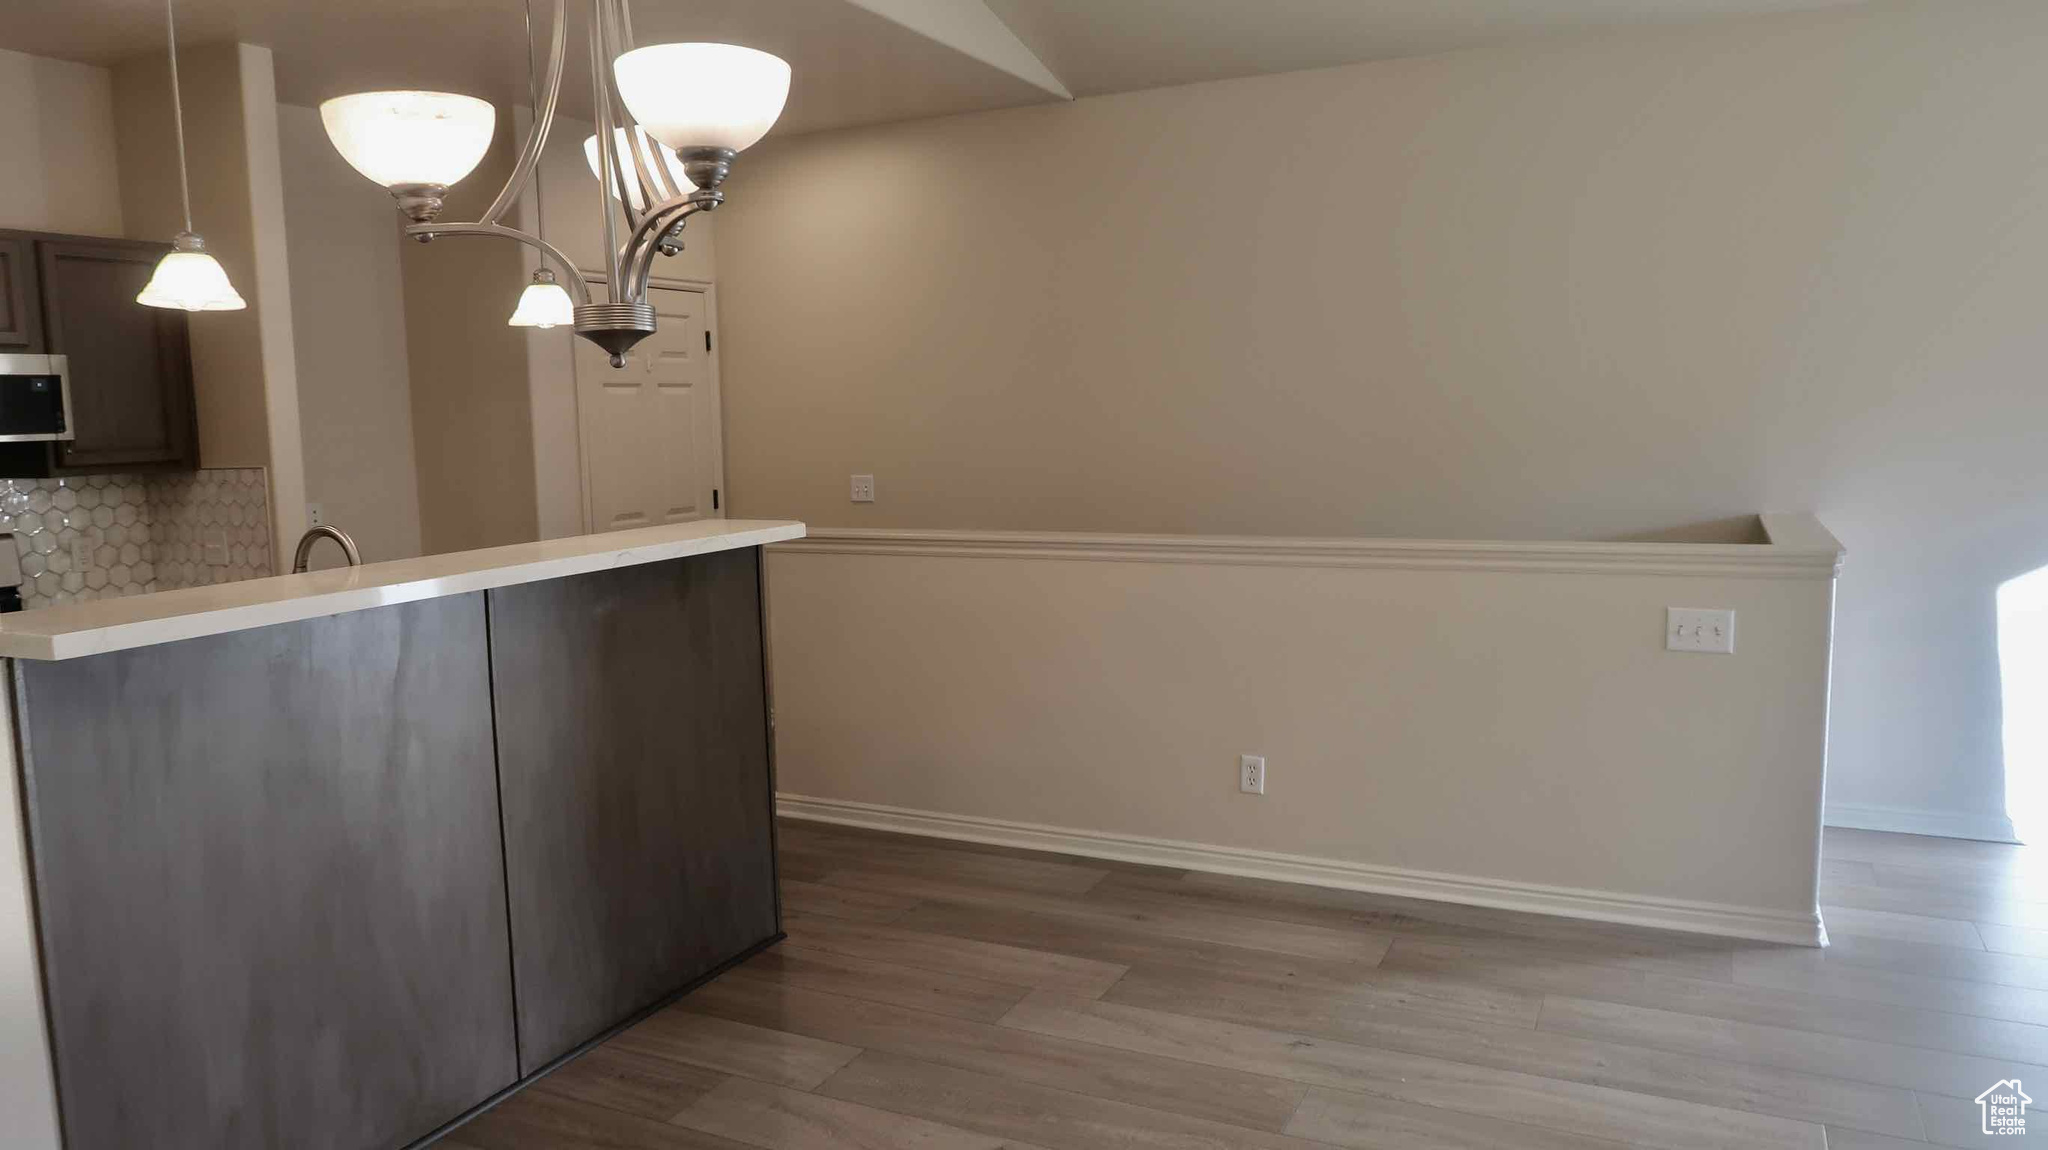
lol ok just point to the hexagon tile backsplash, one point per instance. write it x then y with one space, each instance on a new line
136 533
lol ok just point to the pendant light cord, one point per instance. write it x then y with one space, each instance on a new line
178 111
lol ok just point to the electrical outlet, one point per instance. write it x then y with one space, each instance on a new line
316 515
213 546
1710 632
1251 774
863 489
81 552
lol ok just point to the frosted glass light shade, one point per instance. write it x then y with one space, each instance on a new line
190 281
407 138
543 304
662 165
703 95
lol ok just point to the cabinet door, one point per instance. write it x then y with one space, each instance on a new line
268 875
131 366
633 770
21 324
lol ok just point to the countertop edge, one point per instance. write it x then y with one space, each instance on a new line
366 588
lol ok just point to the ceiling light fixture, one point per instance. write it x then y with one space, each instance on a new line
725 98
187 278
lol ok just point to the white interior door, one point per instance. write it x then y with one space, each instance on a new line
650 431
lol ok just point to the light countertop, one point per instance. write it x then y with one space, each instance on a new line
78 629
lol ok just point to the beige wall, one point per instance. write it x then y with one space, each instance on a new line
57 134
1500 722
348 313
58 140
1576 289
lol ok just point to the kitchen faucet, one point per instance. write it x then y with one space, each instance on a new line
306 541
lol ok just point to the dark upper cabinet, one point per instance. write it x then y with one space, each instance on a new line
21 322
131 366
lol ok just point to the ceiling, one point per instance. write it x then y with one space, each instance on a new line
855 61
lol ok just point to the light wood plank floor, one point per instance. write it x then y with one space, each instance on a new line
936 996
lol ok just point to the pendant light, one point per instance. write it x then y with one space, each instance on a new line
543 304
188 278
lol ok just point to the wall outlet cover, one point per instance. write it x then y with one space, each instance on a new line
1251 774
1709 631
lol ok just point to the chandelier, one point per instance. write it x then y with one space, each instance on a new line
670 119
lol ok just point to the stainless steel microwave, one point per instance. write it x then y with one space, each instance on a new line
35 398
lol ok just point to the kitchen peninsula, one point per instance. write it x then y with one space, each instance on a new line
330 860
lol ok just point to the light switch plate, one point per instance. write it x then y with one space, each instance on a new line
1709 631
863 489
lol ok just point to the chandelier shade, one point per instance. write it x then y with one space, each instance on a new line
662 166
407 139
703 95
190 280
543 304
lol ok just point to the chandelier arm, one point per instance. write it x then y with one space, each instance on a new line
651 191
602 107
543 120
646 239
574 279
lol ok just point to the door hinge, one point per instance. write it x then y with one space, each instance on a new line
714 499
707 341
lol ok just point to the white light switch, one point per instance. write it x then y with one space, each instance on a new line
863 489
1698 629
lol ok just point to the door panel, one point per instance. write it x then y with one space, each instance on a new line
21 323
610 403
633 761
650 430
270 886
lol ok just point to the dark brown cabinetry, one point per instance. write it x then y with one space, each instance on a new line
130 365
21 325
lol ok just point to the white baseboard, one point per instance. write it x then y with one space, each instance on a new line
1567 902
1913 821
